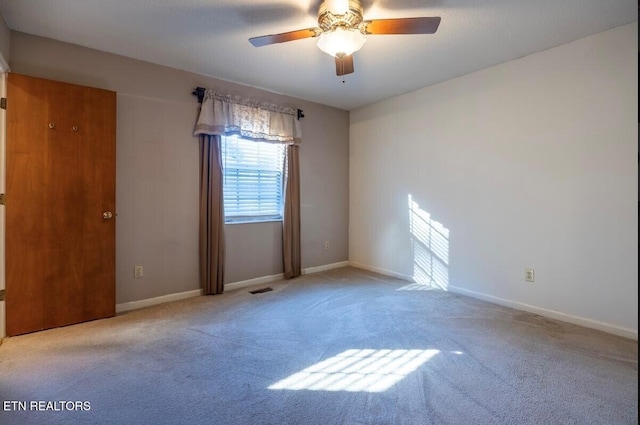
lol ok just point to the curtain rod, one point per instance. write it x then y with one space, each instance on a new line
199 92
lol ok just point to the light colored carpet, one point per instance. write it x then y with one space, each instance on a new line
339 347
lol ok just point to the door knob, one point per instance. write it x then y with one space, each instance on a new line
107 215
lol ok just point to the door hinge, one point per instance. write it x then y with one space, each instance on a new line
1 198
3 103
2 291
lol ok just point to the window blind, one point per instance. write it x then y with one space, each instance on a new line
252 179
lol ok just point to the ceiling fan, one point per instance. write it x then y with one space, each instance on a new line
342 31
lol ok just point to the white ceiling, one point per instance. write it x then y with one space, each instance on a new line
210 37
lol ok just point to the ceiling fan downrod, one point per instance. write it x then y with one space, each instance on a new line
333 14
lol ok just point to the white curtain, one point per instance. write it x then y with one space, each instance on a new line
222 115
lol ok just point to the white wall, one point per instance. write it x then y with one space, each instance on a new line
531 163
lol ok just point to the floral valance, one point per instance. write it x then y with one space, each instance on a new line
226 115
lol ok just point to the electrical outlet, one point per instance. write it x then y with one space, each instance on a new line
137 271
326 245
529 275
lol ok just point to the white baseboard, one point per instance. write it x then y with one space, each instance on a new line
552 314
381 271
134 305
252 282
273 278
318 269
581 321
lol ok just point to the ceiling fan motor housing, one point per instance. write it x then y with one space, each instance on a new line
328 21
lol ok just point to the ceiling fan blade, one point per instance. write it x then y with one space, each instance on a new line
344 65
402 26
285 36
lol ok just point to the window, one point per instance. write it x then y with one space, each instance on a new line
252 180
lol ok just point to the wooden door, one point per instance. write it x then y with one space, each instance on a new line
60 181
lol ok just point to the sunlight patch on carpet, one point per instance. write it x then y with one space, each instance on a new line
365 370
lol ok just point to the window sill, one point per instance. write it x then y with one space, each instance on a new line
252 220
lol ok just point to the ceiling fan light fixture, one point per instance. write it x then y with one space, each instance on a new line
341 41
342 31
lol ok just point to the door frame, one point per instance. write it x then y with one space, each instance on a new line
4 69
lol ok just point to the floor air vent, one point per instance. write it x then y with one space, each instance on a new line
260 291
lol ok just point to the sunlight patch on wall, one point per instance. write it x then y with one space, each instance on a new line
365 370
430 243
